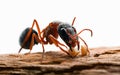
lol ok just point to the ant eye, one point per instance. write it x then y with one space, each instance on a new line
62 29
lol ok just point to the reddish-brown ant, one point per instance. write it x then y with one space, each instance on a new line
67 32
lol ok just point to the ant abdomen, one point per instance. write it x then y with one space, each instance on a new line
23 35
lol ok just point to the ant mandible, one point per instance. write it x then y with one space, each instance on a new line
67 32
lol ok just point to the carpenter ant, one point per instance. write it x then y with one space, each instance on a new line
67 32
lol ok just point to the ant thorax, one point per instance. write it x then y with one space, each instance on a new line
58 22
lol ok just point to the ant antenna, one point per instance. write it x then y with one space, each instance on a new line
73 21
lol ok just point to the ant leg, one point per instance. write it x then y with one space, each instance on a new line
57 43
39 33
32 42
34 36
73 21
26 39
43 36
28 35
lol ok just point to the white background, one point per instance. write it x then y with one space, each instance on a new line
102 16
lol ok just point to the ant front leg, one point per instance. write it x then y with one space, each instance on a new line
57 43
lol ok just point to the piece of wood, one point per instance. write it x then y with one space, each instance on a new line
102 61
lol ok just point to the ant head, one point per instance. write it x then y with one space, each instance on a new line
66 33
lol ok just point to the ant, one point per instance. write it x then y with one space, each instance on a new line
67 32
